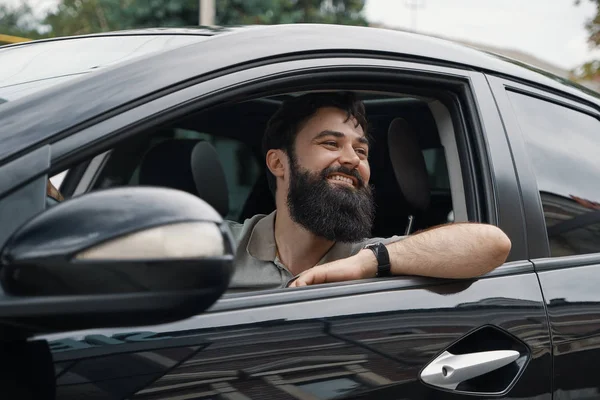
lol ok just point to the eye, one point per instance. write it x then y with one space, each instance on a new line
330 143
362 151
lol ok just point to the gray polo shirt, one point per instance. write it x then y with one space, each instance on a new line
257 265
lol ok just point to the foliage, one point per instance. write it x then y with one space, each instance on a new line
19 21
245 12
76 17
591 69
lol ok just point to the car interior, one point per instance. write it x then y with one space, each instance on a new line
216 154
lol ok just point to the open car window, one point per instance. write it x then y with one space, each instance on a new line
235 131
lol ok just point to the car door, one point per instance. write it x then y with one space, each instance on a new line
368 339
555 141
360 340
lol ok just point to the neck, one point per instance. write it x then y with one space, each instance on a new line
298 248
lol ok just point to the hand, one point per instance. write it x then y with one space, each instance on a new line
360 266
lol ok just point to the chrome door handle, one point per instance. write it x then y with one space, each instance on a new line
449 370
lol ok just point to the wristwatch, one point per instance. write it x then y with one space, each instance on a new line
383 259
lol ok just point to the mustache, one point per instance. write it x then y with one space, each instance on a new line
346 171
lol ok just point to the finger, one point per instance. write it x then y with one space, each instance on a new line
313 276
294 283
337 272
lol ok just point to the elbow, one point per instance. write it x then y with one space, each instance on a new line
500 247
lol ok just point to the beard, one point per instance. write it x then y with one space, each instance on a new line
331 211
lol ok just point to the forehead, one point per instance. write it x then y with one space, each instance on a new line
331 119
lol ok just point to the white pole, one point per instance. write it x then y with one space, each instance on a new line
207 12
414 6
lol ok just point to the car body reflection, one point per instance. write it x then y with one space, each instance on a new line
326 356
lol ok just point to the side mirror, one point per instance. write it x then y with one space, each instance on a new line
117 257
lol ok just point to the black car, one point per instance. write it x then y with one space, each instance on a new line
94 306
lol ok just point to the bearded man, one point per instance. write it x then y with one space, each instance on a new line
317 156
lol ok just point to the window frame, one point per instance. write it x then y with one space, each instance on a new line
537 237
61 151
476 115
442 117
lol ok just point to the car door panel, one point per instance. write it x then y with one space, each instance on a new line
569 282
370 345
573 304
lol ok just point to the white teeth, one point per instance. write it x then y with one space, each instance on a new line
343 179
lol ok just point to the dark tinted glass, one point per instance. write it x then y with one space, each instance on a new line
564 148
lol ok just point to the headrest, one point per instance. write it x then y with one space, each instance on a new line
409 163
189 165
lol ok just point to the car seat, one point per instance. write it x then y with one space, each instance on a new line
409 165
402 190
189 165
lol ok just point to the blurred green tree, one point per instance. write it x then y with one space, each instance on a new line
590 70
245 12
76 17
19 21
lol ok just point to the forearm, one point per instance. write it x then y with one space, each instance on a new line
449 251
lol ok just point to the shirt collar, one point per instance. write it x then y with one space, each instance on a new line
261 244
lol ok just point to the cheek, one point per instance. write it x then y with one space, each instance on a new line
365 171
319 158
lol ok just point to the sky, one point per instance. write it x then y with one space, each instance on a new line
552 30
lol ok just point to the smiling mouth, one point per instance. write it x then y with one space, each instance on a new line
343 179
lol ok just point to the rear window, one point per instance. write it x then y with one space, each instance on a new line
32 67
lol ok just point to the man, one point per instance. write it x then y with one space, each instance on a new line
316 152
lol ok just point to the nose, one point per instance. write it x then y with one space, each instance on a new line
349 158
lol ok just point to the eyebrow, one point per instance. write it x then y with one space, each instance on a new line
362 139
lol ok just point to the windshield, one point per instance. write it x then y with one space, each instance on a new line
32 67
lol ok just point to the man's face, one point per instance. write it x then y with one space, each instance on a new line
328 188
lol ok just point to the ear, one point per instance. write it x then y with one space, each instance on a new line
276 162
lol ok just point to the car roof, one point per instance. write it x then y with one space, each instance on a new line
434 48
70 103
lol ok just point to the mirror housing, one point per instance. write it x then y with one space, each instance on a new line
116 257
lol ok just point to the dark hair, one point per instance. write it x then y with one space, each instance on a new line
284 125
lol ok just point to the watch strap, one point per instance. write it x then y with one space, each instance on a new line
384 267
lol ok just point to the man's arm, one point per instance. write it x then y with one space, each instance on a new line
462 250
